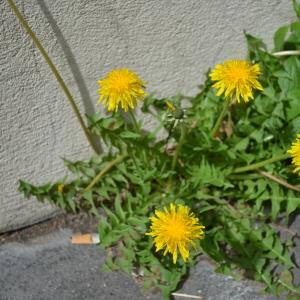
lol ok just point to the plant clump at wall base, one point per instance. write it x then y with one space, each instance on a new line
225 176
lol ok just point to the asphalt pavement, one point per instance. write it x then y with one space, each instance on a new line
50 267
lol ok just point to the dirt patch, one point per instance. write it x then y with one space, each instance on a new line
80 223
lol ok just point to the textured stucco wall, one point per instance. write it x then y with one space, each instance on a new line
170 43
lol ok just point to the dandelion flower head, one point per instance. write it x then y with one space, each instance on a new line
174 229
60 188
236 78
295 153
121 87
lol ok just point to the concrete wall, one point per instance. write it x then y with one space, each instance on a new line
170 43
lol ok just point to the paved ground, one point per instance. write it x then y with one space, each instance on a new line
49 267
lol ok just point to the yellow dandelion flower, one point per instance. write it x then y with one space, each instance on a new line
121 87
236 78
60 188
175 229
295 153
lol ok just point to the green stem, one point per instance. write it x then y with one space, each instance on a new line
135 123
176 155
279 181
219 120
54 71
117 160
178 148
286 53
261 163
244 177
138 131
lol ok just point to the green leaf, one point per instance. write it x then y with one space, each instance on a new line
273 245
112 238
293 203
206 174
70 200
89 197
264 273
112 123
128 253
129 135
254 43
104 227
242 144
295 126
124 264
25 188
293 107
257 135
112 217
276 198
296 7
119 211
109 265
119 177
292 67
140 222
286 282
61 201
279 37
206 208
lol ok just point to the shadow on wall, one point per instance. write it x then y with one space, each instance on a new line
83 90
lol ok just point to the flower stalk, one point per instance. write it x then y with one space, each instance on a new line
261 163
176 155
220 119
54 70
279 181
114 162
286 53
134 121
179 146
